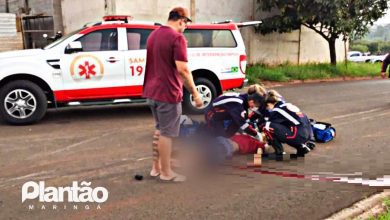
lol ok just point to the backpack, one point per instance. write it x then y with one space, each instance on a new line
188 127
322 132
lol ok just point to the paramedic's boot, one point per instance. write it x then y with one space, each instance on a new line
279 151
302 150
311 145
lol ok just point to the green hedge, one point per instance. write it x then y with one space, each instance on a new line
287 72
374 47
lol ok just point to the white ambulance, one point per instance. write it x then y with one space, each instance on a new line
104 63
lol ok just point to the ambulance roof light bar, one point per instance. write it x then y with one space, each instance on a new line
249 23
222 22
240 25
123 18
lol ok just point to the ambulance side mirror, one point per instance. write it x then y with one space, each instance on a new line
74 47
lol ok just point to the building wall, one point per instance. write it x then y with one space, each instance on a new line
149 10
57 16
280 48
44 7
37 7
13 5
296 47
76 14
209 11
272 48
9 37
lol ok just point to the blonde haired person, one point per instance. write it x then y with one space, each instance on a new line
286 123
257 88
260 89
257 115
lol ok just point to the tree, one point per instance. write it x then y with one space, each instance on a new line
359 47
373 47
330 19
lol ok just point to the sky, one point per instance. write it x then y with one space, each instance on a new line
384 20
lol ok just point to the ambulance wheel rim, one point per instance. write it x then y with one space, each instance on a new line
20 103
205 93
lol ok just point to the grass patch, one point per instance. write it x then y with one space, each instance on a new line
288 72
384 216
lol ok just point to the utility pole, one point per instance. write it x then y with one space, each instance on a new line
26 5
6 6
193 10
299 45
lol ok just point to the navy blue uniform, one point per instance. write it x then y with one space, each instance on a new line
227 115
285 123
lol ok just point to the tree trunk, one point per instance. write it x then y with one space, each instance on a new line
332 50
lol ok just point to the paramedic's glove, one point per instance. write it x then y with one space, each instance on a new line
251 131
198 100
261 126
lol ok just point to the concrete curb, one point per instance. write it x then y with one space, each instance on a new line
338 79
361 209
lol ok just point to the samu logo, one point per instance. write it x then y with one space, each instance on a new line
86 67
32 190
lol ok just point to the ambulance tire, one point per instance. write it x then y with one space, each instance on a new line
22 102
208 91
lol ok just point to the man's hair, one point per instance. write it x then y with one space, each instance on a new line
178 13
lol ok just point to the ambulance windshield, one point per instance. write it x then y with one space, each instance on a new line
62 39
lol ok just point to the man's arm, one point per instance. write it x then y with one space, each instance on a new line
188 82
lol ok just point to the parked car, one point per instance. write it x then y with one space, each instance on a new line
104 63
356 56
378 58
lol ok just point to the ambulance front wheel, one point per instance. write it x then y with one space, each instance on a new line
207 91
22 102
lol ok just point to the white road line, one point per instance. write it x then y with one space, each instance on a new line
362 119
69 147
26 176
144 158
378 182
357 113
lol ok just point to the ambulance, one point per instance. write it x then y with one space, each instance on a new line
104 63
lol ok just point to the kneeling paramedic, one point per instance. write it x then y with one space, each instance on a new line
228 114
285 123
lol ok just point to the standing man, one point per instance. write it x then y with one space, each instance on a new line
166 72
385 63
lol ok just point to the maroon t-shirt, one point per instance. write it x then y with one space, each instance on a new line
162 80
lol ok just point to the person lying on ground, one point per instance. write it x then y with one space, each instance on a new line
241 144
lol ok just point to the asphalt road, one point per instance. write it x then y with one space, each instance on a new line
108 145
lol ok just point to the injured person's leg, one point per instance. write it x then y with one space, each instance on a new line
241 144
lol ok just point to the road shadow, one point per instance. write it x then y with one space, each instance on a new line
93 113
